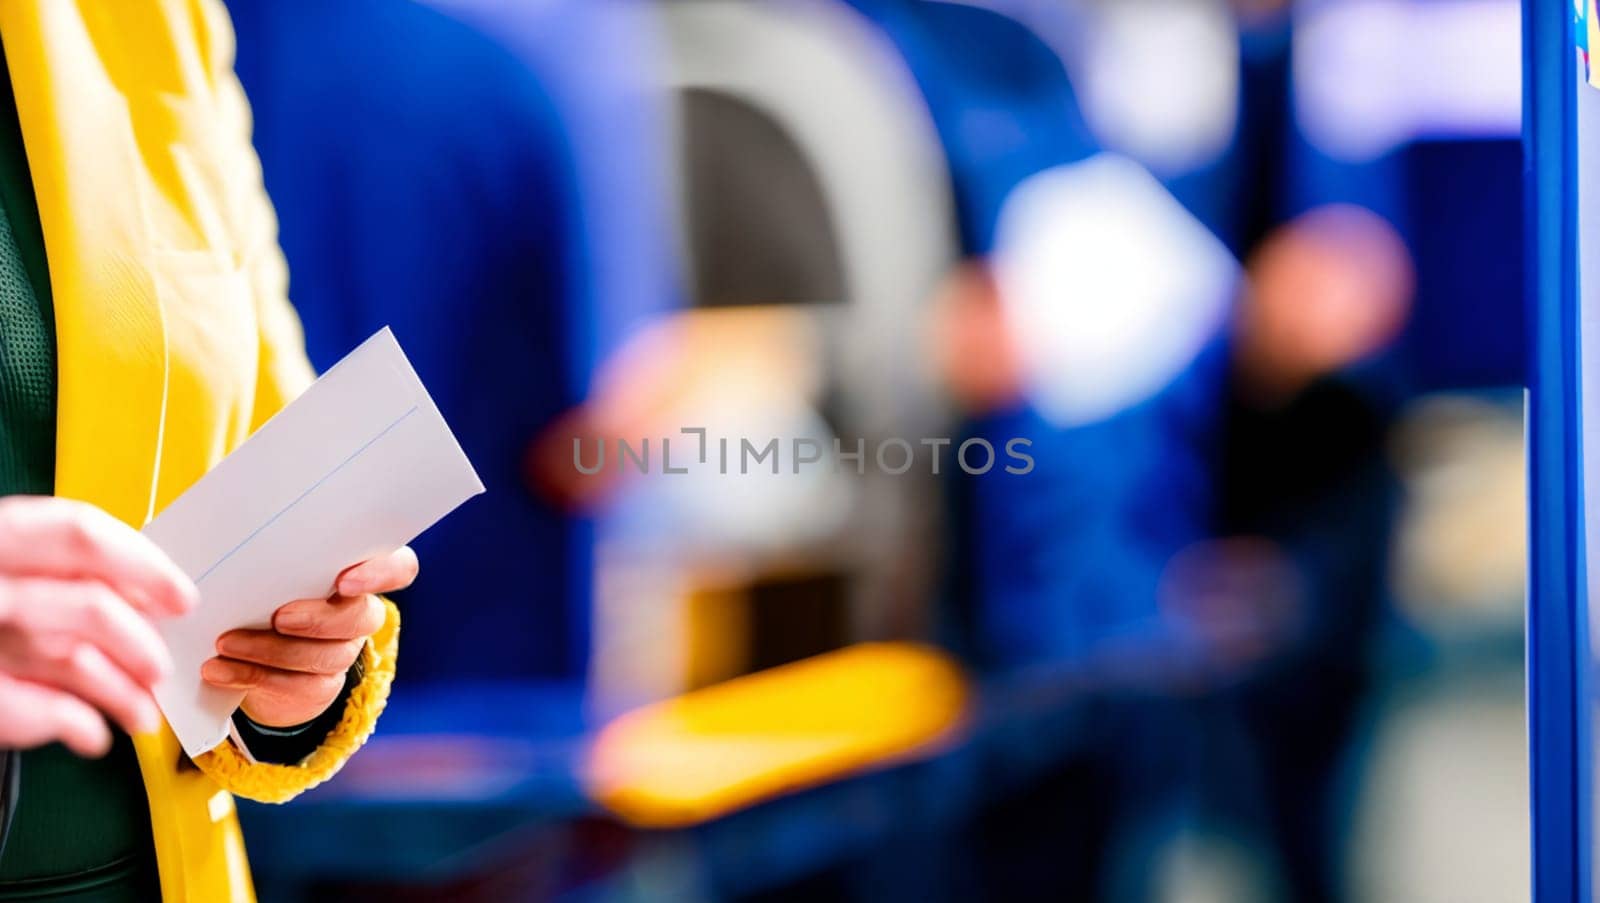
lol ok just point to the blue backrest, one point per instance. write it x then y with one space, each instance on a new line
481 181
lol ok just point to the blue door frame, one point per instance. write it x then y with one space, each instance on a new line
1558 654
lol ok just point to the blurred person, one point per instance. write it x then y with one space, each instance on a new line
1294 581
1307 490
1061 330
1026 358
145 331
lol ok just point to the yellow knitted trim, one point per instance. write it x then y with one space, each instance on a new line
270 783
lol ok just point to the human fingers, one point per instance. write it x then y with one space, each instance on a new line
339 618
380 574
66 539
32 715
274 697
274 650
61 663
90 612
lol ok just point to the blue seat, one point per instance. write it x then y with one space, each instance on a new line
476 181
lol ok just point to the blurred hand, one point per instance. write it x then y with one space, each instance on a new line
77 589
294 671
1241 597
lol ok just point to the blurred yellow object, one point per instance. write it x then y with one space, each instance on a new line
710 752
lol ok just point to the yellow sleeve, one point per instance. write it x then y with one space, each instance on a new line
283 372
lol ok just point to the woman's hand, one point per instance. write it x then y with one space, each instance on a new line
294 671
77 589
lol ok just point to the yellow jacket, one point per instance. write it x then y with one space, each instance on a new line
175 335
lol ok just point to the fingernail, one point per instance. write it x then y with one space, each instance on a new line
294 619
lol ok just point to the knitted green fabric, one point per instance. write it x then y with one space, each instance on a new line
81 831
27 333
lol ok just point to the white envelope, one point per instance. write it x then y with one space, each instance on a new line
357 466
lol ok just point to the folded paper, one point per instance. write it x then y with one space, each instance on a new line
355 467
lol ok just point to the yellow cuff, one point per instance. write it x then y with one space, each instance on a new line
269 783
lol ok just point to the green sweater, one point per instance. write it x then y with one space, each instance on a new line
81 830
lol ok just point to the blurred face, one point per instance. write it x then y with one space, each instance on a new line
1327 290
972 344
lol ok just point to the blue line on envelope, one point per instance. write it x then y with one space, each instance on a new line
309 489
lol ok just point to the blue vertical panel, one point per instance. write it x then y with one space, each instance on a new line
1557 647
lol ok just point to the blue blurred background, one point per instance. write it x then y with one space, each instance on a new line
1230 292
